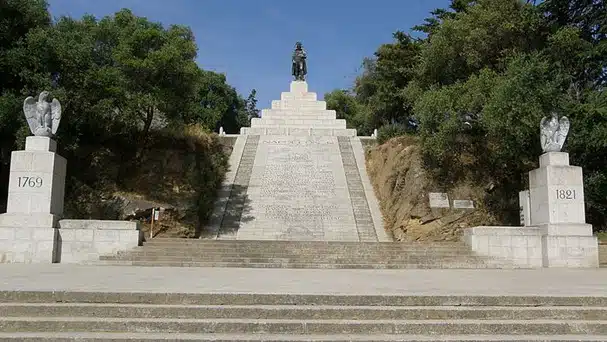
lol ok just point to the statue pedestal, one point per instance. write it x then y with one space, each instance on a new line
555 233
556 196
35 203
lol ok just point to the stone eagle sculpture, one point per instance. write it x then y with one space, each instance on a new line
553 133
42 116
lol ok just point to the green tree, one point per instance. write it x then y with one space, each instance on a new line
349 108
251 105
380 87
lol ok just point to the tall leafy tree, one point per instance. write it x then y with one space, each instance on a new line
251 105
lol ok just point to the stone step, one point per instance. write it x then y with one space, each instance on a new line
315 123
298 115
315 265
298 311
163 337
298 131
300 327
304 253
309 96
314 244
296 299
265 124
290 260
302 105
309 255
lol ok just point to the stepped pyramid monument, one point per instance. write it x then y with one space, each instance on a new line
298 173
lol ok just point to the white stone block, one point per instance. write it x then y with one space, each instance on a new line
438 200
346 132
29 220
99 224
521 246
556 195
28 245
554 158
276 130
44 144
570 251
298 87
309 96
463 204
36 183
579 229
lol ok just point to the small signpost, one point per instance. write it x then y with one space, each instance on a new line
155 217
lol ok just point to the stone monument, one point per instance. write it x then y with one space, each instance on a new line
29 229
556 199
298 173
36 188
555 232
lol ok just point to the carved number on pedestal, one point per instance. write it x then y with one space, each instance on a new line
565 194
30 182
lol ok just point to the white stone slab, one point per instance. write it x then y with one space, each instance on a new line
99 224
438 200
36 182
463 204
570 251
302 96
522 247
298 87
556 195
44 144
298 115
28 245
298 191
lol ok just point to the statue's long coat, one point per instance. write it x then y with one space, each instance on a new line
299 56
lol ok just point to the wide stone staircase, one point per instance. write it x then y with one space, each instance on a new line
301 254
96 316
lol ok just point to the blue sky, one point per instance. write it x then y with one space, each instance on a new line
251 41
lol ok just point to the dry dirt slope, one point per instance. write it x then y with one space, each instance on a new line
402 188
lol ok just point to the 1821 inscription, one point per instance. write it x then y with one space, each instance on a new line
565 194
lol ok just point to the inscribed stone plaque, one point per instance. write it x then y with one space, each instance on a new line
438 200
463 204
298 191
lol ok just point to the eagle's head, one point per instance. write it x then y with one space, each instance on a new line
43 96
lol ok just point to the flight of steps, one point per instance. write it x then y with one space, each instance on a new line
300 254
82 316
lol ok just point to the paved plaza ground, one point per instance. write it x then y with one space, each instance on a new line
539 282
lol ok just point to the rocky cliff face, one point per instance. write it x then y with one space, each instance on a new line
402 188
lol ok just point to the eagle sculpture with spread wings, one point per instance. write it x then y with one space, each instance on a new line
42 116
553 133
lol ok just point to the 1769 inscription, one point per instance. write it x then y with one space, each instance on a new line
29 182
565 194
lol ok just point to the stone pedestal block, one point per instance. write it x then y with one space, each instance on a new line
570 251
556 191
28 231
298 87
28 245
37 179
